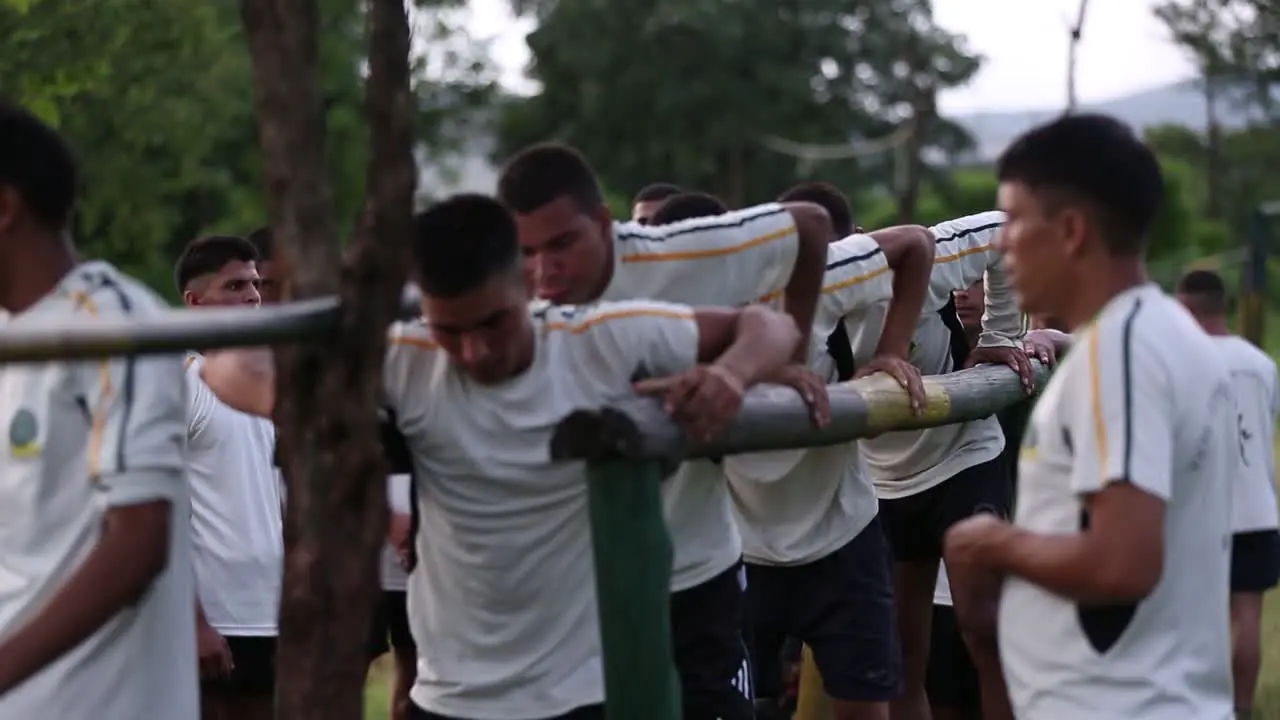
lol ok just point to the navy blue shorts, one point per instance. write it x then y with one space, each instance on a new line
1255 561
841 606
707 621
917 524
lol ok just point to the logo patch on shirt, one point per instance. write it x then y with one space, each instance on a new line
24 433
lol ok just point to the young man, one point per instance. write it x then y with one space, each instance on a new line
648 200
1255 543
818 564
828 197
687 206
927 480
575 253
504 594
236 504
951 678
1115 570
95 559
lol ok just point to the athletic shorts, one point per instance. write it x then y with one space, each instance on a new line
710 653
951 680
390 629
916 524
589 712
841 606
1255 561
253 671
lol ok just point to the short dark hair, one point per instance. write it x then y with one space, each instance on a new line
264 241
827 196
209 254
1096 159
461 242
35 160
540 174
656 192
1207 289
686 206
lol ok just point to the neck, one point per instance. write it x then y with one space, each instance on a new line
1214 324
1115 276
606 273
44 262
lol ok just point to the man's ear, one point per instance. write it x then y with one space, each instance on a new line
190 299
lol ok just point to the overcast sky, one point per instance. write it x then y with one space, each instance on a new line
1024 41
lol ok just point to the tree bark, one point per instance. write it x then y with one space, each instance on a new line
328 393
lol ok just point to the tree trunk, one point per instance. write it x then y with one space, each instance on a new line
1073 50
908 195
328 394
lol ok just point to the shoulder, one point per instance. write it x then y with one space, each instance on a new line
582 319
754 225
852 249
1149 332
99 289
978 224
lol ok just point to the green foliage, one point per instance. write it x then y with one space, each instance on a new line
155 96
685 91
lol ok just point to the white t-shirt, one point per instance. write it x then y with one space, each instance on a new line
84 437
798 506
731 259
503 598
392 575
236 513
1253 377
910 462
1143 397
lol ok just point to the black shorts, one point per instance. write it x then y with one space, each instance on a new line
589 712
253 671
1255 561
916 524
390 628
951 679
841 606
710 654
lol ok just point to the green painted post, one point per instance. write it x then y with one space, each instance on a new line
633 589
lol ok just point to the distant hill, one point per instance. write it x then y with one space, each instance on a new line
1180 103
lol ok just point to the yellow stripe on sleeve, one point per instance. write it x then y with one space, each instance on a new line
577 328
962 254
1095 395
101 411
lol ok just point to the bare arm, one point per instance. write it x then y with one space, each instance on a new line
243 379
815 232
750 343
132 550
1118 557
909 251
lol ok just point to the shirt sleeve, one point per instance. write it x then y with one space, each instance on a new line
857 277
643 338
749 254
1002 318
1121 424
138 427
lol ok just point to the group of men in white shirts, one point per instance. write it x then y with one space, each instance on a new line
1108 592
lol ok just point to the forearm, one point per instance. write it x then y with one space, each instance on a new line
910 289
805 285
1071 565
763 342
128 557
1002 318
